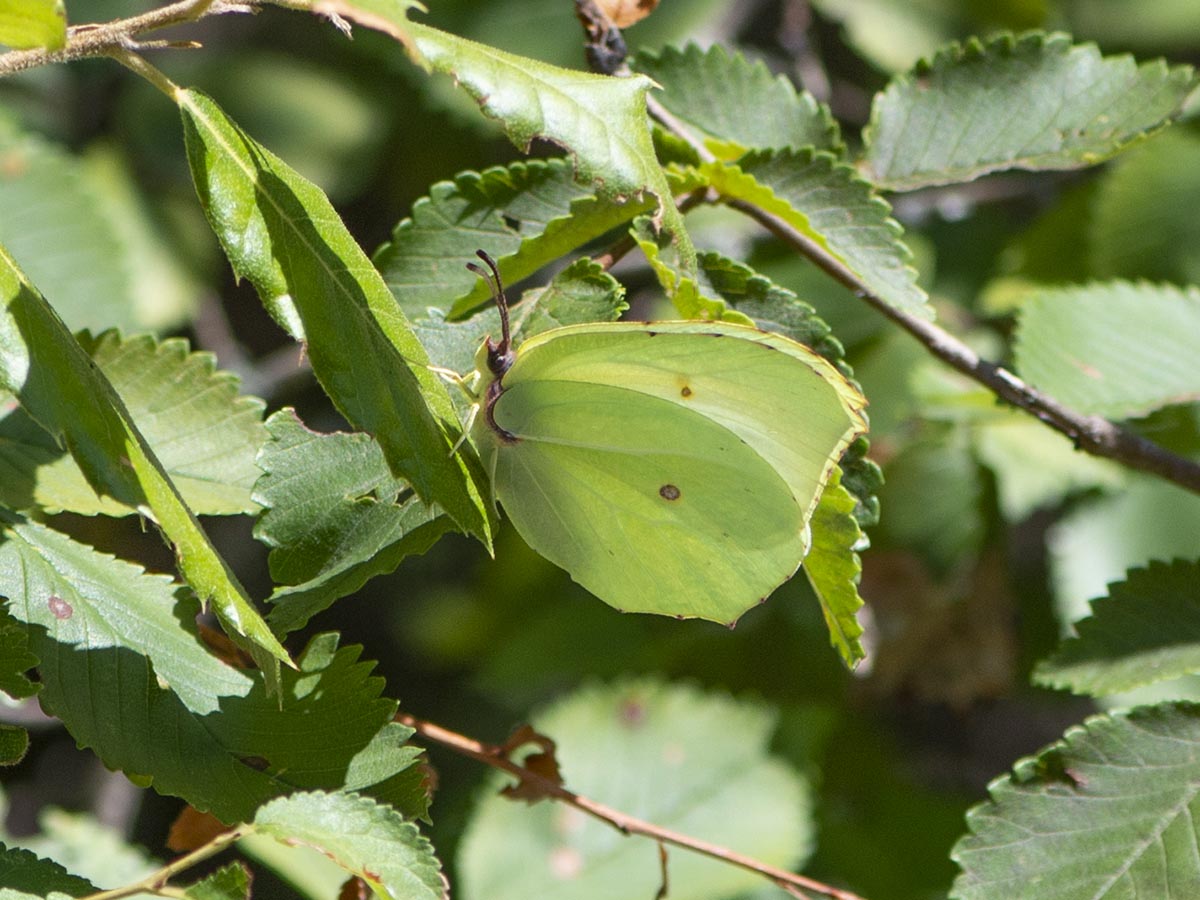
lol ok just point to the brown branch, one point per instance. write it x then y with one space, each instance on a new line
1091 434
497 758
85 41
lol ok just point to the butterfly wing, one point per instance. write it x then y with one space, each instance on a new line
652 507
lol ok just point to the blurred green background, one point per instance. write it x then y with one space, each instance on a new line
993 534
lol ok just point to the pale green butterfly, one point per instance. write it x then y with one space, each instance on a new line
669 467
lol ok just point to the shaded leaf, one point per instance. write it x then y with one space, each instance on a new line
335 516
525 215
22 874
1143 216
724 96
833 568
1029 102
689 761
1106 812
33 23
64 391
281 233
14 741
367 839
1147 629
1076 345
230 882
827 201
15 657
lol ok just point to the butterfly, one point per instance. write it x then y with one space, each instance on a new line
668 467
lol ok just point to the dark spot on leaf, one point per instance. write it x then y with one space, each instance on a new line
258 763
669 492
685 391
512 223
60 607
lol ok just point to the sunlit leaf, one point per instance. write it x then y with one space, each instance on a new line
281 233
1027 102
60 387
1076 344
723 96
525 215
367 839
833 568
827 201
33 23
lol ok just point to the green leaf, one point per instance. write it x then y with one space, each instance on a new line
335 517
313 875
56 225
64 391
833 568
230 882
168 286
525 215
90 849
689 761
826 200
1035 466
367 839
22 874
14 741
771 306
1028 102
1107 812
204 434
15 657
1147 629
723 96
600 120
894 34
82 598
1098 541
1143 222
25 24
1076 345
945 524
333 730
582 292
281 233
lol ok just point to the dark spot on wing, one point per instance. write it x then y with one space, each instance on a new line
60 607
669 492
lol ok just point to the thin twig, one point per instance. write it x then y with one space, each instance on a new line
157 881
1091 434
85 41
495 756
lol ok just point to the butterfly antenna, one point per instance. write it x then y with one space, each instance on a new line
494 282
